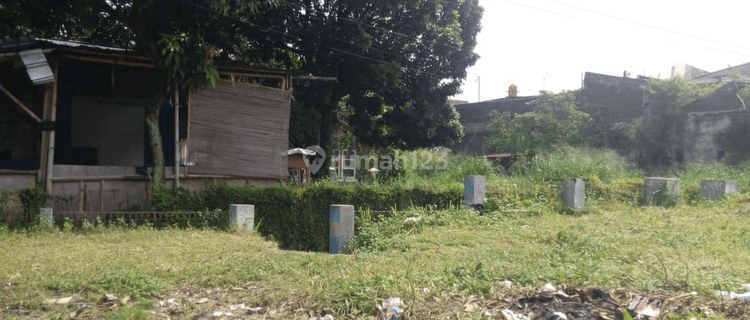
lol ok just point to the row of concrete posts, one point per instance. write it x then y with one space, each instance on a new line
656 191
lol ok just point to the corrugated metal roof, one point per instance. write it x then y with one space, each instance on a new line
36 66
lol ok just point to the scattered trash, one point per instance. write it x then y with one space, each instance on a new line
202 300
733 295
219 314
708 313
559 316
643 306
744 296
392 307
413 219
548 288
125 299
256 310
562 294
65 300
510 315
425 290
204 316
109 297
327 317
507 283
237 307
745 286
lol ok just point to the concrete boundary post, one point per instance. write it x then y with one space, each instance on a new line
46 218
574 193
242 217
474 191
341 217
660 191
717 189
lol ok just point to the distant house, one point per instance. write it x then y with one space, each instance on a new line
72 121
707 129
475 117
724 75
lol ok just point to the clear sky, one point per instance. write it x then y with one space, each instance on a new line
549 44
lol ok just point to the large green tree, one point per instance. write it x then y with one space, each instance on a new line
555 120
396 63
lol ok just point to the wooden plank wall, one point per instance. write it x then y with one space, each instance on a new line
239 130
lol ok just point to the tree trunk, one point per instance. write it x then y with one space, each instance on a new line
157 149
154 134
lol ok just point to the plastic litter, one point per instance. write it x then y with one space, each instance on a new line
548 288
643 306
413 219
392 307
510 315
733 295
559 316
237 307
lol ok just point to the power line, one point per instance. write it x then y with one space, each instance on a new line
648 26
540 9
387 30
268 29
335 38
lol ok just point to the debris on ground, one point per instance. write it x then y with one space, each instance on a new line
548 288
641 306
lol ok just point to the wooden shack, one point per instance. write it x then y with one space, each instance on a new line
72 121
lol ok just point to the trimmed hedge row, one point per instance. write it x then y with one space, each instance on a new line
298 217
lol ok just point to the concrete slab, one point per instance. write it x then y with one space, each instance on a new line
660 191
574 193
242 216
717 189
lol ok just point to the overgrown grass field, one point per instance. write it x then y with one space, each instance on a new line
449 255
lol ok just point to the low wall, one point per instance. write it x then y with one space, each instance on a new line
108 189
13 180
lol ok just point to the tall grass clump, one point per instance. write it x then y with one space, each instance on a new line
580 162
690 178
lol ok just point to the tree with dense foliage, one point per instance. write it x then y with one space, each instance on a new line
555 120
396 63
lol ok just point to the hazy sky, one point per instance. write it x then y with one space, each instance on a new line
549 44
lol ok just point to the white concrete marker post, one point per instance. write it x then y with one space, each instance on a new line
46 219
474 187
341 217
574 193
660 191
717 189
242 217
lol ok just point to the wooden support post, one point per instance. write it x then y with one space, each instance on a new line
41 180
81 196
51 142
101 195
176 136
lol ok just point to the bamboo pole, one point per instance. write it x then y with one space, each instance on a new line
20 104
109 61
